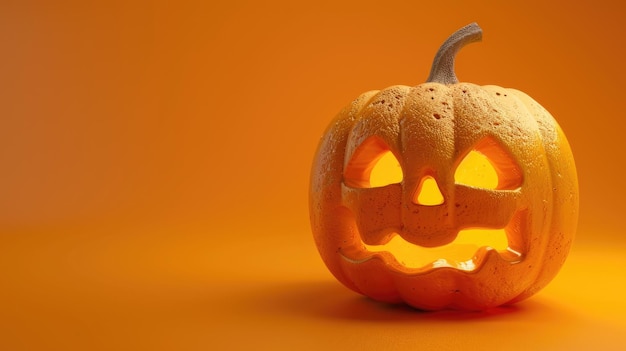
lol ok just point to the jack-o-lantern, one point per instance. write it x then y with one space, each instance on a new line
429 232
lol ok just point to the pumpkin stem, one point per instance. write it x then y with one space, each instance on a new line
442 70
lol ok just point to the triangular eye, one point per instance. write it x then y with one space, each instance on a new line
386 171
372 165
476 170
489 166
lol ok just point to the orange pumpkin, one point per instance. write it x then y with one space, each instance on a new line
422 234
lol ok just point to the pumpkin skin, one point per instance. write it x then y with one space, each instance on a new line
429 128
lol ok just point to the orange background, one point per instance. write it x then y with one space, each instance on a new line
155 161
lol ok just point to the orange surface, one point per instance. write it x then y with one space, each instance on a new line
155 162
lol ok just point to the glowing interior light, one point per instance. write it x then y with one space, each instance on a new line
467 265
476 170
386 171
428 193
440 263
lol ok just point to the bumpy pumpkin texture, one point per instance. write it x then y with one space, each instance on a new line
430 129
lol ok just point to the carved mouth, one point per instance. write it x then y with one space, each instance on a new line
465 253
459 254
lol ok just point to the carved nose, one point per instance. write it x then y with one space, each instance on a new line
428 193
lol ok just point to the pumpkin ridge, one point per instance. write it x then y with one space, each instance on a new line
541 250
541 278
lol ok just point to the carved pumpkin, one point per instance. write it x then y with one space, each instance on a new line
430 234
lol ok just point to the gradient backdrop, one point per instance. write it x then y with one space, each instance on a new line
155 160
